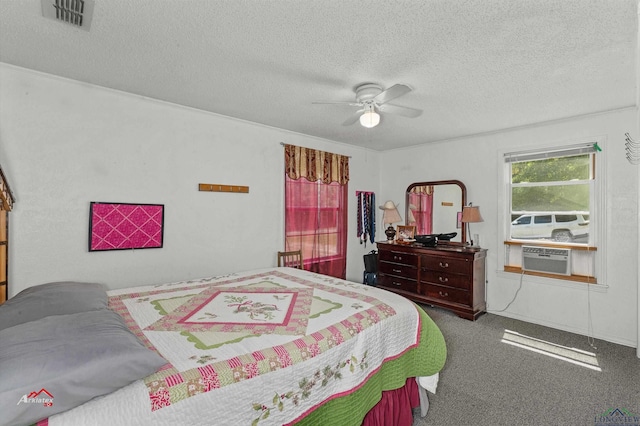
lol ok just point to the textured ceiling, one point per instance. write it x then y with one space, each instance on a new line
475 66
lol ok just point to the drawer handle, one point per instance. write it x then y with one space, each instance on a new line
397 257
445 294
395 283
444 265
443 280
397 270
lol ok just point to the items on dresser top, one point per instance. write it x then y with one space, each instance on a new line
448 276
431 240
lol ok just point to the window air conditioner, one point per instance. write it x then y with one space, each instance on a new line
548 260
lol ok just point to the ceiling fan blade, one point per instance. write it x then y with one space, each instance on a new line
355 117
401 110
337 103
391 93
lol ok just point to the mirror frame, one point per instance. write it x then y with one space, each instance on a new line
463 229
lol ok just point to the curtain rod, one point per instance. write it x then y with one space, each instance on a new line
283 144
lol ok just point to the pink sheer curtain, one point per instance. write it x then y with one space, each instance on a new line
316 209
421 208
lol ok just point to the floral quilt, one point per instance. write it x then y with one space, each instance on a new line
268 346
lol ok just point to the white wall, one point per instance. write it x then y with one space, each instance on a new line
64 144
477 162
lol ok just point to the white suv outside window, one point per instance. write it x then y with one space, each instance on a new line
555 226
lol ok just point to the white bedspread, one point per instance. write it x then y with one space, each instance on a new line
264 347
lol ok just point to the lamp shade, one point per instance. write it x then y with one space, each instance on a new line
471 214
391 214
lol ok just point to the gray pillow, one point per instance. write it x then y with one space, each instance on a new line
74 358
57 298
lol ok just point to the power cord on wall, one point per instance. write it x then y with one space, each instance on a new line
590 338
514 296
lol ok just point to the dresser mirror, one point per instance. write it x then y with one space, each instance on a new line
436 208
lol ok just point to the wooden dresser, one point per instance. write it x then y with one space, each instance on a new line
449 276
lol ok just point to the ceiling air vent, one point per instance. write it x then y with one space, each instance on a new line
73 12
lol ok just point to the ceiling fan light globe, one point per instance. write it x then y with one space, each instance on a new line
370 119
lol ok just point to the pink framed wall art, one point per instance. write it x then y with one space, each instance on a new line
123 226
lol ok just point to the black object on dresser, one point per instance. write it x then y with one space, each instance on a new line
449 276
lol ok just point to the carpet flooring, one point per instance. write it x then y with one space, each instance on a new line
501 371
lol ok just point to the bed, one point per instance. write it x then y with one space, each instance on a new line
274 346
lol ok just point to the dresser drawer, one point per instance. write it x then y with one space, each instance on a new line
398 257
443 278
398 283
451 265
448 294
398 269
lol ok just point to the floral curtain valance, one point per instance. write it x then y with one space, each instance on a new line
423 189
315 165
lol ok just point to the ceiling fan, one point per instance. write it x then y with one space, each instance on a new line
372 100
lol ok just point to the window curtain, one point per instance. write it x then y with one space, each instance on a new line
421 209
316 187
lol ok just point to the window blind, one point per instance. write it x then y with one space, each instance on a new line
565 151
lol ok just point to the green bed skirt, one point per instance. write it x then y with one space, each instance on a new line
424 360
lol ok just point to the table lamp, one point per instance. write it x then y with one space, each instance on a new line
471 214
389 217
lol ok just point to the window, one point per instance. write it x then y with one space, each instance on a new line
542 219
522 220
551 197
316 187
313 218
561 218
